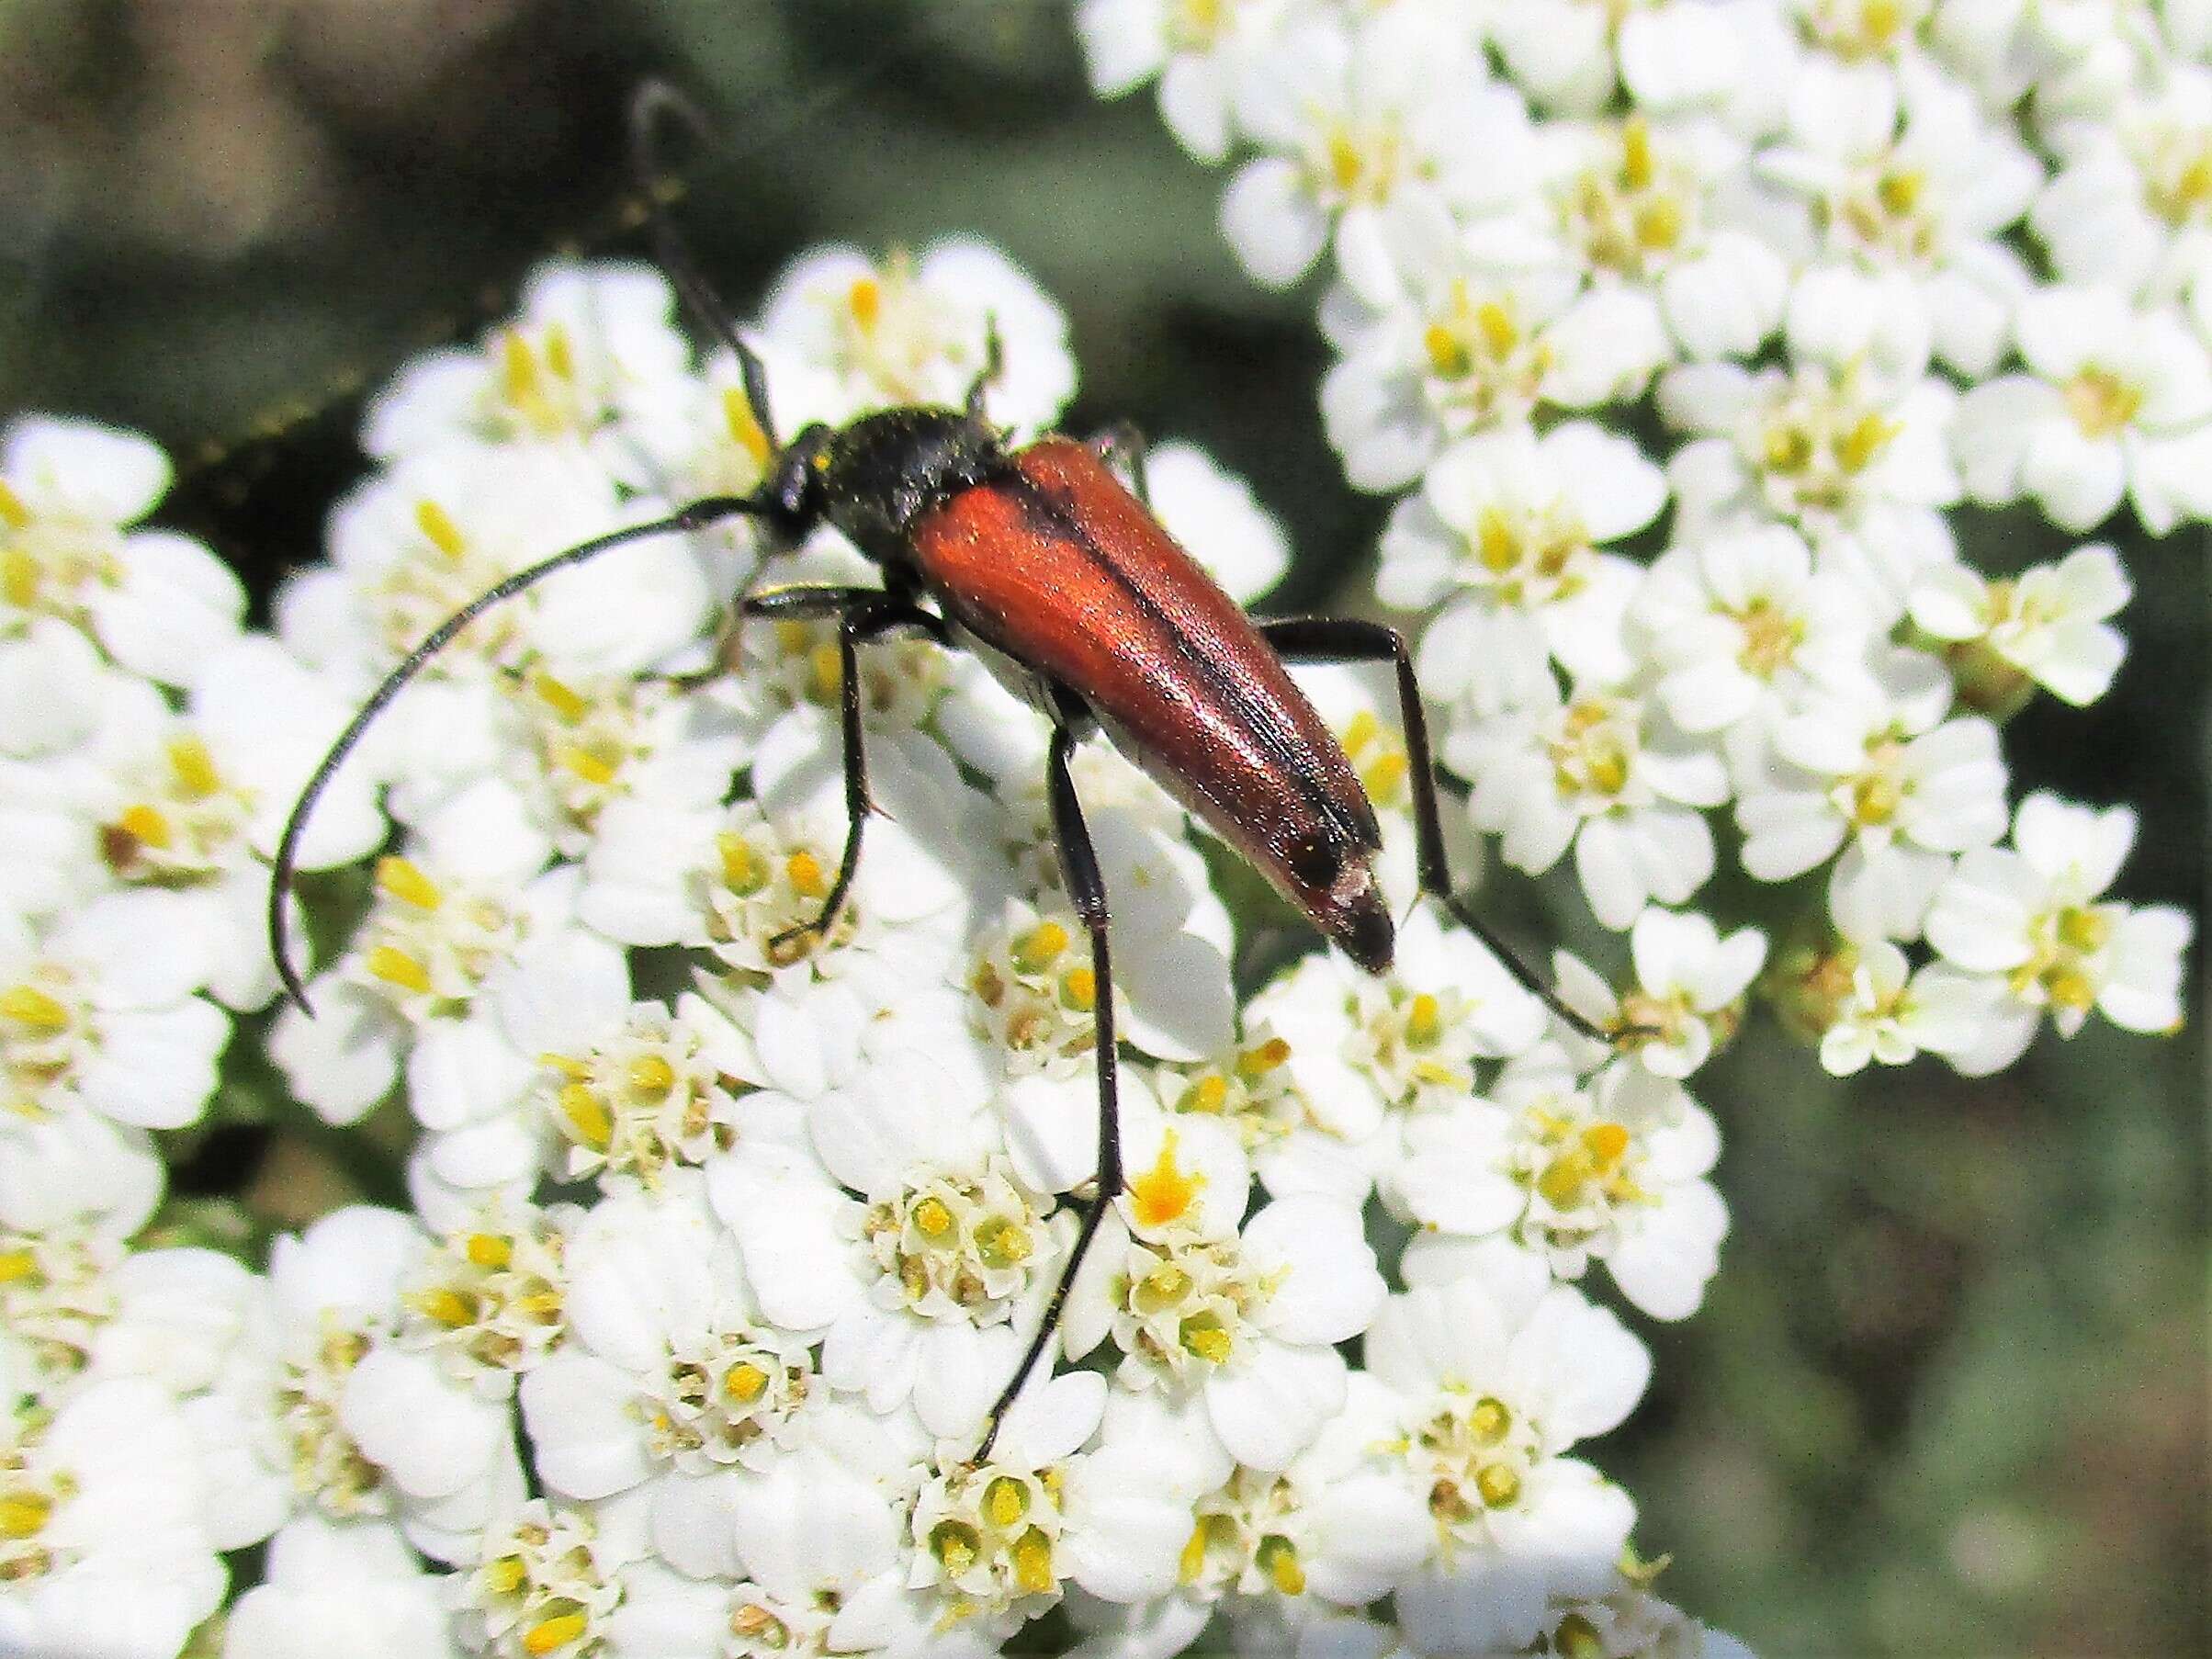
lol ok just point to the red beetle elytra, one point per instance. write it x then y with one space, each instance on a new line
1043 556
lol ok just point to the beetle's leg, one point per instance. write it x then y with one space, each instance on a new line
807 602
994 364
1124 440
862 613
1087 887
1351 639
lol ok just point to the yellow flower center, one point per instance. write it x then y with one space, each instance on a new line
2100 401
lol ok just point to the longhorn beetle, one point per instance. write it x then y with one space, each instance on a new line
1091 612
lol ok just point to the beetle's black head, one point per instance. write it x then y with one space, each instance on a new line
793 491
873 478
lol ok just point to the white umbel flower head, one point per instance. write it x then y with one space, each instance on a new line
1602 773
2034 915
2048 624
97 1015
1246 1319
158 603
591 354
2117 402
1497 1375
1610 1169
102 1550
1370 130
905 330
1893 1013
1510 525
1197 49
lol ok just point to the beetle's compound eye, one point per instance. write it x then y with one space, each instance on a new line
1316 860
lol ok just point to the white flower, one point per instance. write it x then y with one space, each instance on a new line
1598 772
1472 343
2049 623
1630 1620
79 1168
488 1297
339 1590
592 350
1875 769
1362 1053
1247 1320
1371 128
2130 207
414 544
541 1579
2118 402
1497 1374
1664 205
70 490
1842 454
52 677
1510 524
902 331
580 743
654 1091
1890 1017
1664 52
1610 1170
672 1373
1742 630
356 1426
930 1283
1197 47
193 804
195 1322
744 879
103 1552
1910 174
1336 1529
1211 512
992 1542
1690 987
97 1015
447 917
2031 914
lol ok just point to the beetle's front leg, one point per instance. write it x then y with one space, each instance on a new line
1125 440
862 613
994 365
1351 639
1087 888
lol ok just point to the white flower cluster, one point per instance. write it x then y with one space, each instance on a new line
723 1238
1696 331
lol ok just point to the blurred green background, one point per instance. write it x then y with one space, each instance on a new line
1949 1393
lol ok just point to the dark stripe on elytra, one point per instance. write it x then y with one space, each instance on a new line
1046 514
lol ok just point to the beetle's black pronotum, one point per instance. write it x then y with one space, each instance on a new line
1042 555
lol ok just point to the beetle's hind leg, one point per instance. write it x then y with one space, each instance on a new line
1087 887
1351 639
862 613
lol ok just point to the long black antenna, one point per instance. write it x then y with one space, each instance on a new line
653 102
696 516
